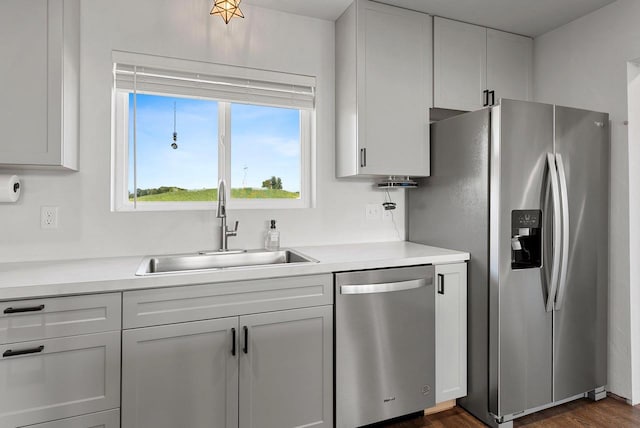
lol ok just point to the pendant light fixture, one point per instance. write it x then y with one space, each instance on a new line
227 9
174 145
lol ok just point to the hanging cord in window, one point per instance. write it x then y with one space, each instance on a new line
389 205
135 137
174 145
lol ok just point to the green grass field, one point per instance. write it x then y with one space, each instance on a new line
212 195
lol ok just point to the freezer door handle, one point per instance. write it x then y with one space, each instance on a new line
555 263
386 287
564 201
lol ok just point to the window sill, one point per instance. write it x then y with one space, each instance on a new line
212 206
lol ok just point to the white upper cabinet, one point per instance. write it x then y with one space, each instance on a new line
460 65
39 82
383 91
475 66
509 65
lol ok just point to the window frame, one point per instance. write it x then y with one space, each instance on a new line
121 162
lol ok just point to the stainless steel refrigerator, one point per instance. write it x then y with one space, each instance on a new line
524 187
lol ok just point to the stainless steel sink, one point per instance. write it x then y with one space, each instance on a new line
218 260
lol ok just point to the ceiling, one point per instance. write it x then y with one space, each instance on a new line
526 17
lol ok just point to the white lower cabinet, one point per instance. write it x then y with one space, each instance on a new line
451 331
108 419
286 373
59 378
180 375
265 370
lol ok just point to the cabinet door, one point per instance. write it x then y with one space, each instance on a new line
109 419
23 77
39 82
459 60
394 90
181 375
286 369
451 331
59 378
509 64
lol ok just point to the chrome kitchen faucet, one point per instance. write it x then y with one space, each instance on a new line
225 232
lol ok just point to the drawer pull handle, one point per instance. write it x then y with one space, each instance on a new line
27 309
440 283
12 353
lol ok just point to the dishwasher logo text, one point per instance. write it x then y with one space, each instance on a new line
387 400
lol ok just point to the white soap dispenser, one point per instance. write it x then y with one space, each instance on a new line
272 240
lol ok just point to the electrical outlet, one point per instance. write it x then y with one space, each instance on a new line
373 212
48 217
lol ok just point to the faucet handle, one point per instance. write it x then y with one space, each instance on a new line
235 229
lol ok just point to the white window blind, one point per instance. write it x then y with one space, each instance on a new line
159 75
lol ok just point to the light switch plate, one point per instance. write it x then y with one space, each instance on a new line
373 212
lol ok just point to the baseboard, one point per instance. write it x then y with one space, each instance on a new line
440 407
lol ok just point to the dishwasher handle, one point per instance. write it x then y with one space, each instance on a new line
383 287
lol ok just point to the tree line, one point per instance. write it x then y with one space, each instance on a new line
273 183
156 191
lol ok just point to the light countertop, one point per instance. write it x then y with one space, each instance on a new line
65 277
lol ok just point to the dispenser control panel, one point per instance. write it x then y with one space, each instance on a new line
526 239
525 218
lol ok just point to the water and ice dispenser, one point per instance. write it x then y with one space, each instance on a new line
526 239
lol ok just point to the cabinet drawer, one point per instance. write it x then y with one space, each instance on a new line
109 419
198 302
59 378
24 320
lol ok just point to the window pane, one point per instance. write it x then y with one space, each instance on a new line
265 152
188 172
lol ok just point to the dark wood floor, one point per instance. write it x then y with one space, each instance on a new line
610 412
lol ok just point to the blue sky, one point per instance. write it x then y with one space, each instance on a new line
265 142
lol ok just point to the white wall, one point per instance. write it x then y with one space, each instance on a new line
584 64
264 39
634 228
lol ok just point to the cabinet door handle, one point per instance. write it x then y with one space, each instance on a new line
363 157
245 349
12 353
26 309
233 342
493 98
485 98
440 283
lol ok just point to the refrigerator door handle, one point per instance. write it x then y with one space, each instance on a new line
555 263
564 196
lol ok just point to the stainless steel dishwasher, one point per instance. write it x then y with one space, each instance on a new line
385 340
